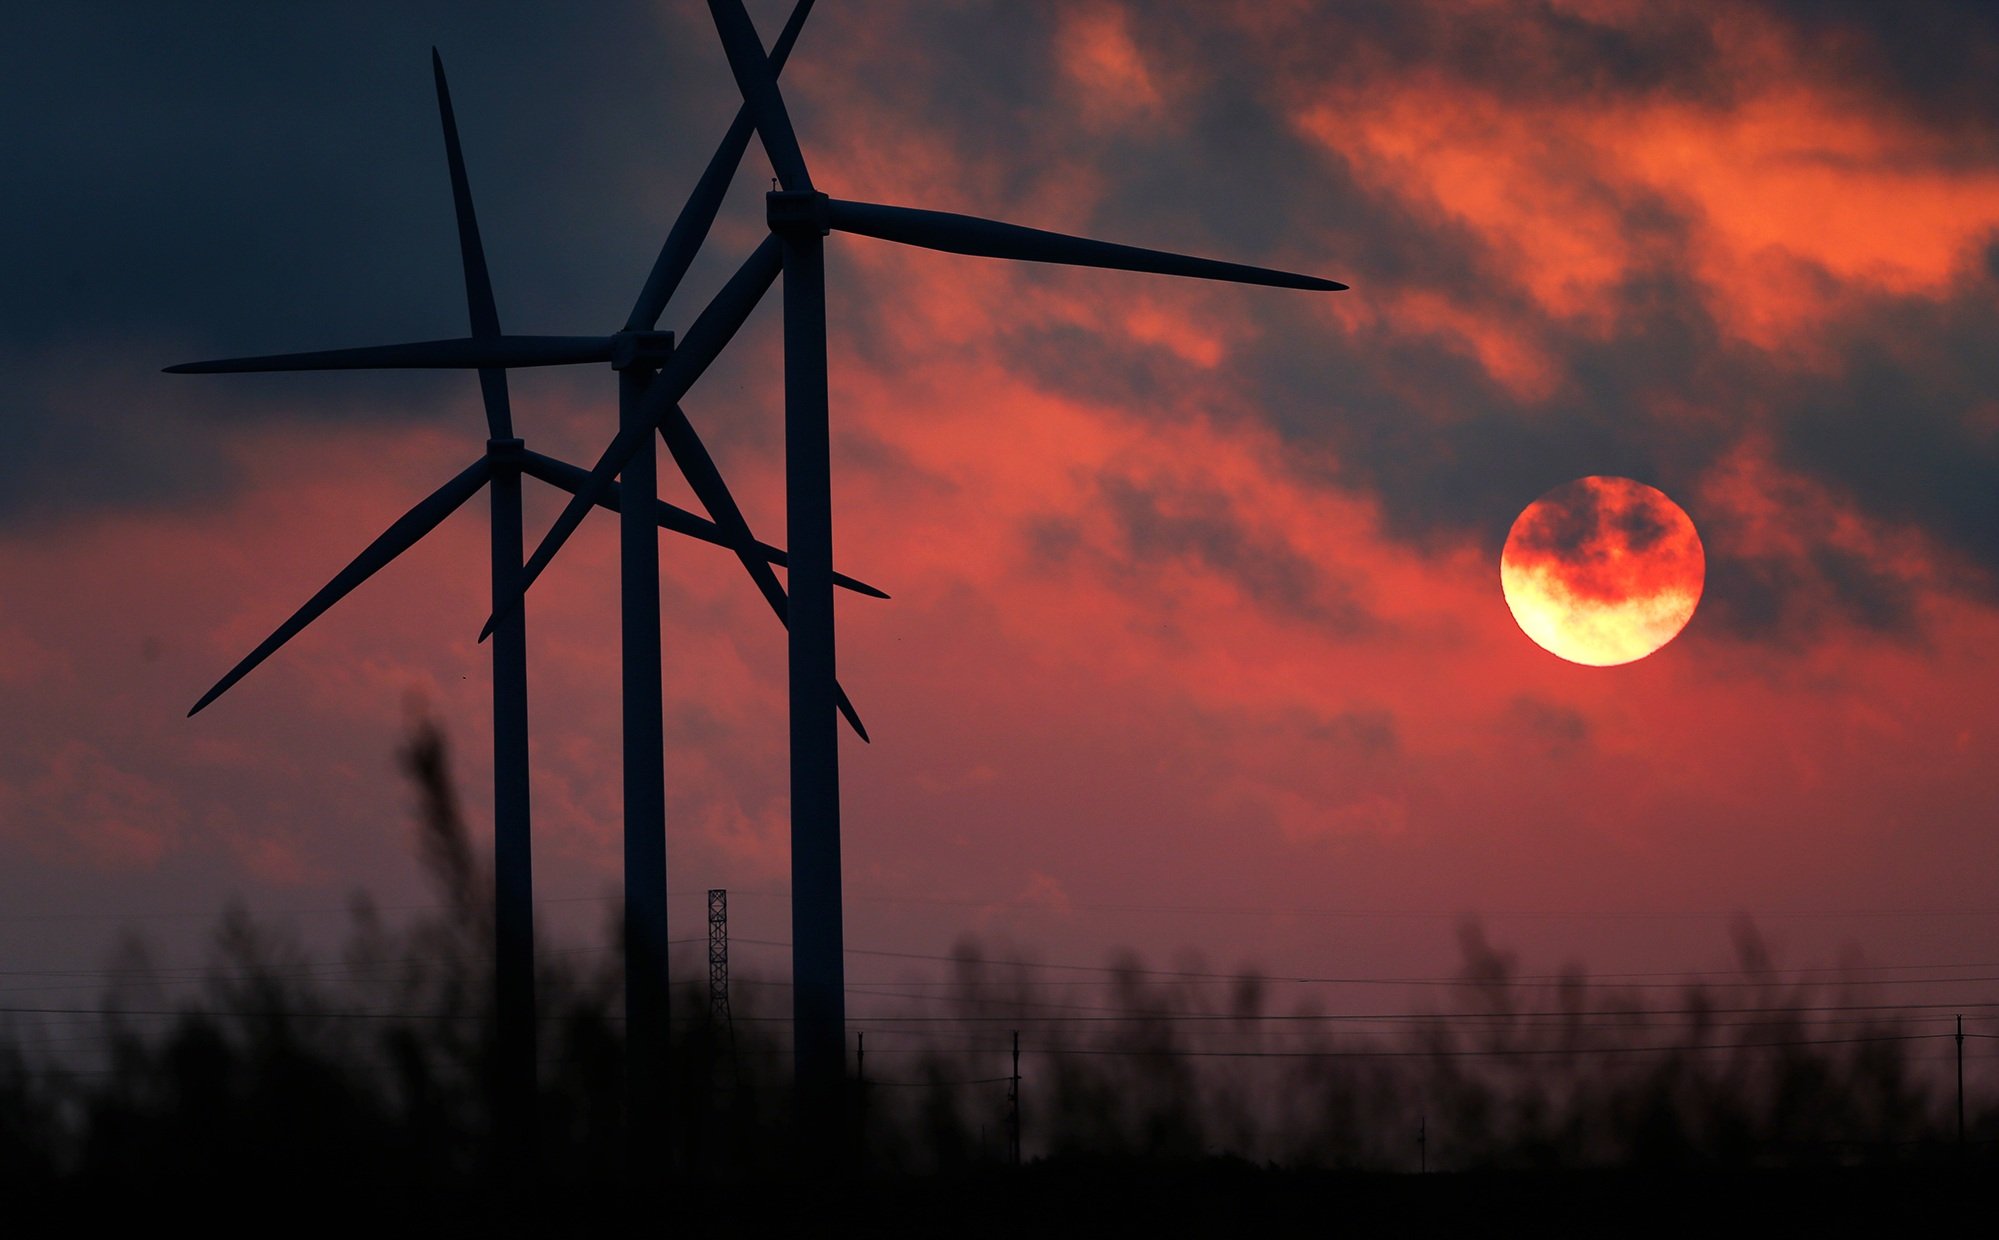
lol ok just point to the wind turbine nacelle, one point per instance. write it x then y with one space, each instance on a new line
797 210
645 350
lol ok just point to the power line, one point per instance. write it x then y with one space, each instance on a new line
984 1080
1460 914
1069 906
1314 1017
267 914
1241 977
1468 1052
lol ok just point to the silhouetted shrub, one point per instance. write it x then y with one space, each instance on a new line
372 1073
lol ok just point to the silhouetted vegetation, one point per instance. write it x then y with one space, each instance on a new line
1518 1074
283 1079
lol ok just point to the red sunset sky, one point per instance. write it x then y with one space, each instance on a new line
1197 640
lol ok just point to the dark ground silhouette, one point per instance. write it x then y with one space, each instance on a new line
310 1095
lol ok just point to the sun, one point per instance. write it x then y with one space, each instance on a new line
1602 570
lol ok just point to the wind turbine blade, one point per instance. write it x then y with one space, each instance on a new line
852 716
968 234
699 468
711 330
398 538
571 478
691 455
593 492
757 82
465 353
478 283
717 324
698 216
730 530
845 582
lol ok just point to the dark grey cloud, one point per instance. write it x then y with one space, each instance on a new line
1896 430
1203 527
1451 451
199 181
1446 448
1360 739
81 438
972 73
1452 454
1537 51
212 181
1558 729
1890 430
1572 517
279 168
1448 452
1158 522
1787 600
1366 730
1903 427
1937 59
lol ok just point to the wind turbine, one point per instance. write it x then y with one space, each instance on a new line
800 217
635 352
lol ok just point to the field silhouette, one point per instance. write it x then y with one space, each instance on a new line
304 1092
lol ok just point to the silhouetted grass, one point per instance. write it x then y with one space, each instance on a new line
1517 1074
282 1079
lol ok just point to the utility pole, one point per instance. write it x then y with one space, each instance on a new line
1013 1106
1423 1145
861 1101
1960 1085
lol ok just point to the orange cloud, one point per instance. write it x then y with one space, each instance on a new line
1141 649
1111 80
81 806
1787 194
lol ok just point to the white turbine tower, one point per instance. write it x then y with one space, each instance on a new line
800 217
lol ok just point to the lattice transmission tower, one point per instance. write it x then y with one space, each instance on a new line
721 1026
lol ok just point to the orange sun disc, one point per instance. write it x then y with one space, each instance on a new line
1602 570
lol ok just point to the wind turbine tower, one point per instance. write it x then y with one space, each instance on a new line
652 378
800 217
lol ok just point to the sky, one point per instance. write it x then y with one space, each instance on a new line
1196 642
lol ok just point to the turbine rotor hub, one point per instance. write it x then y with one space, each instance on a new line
797 211
643 350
